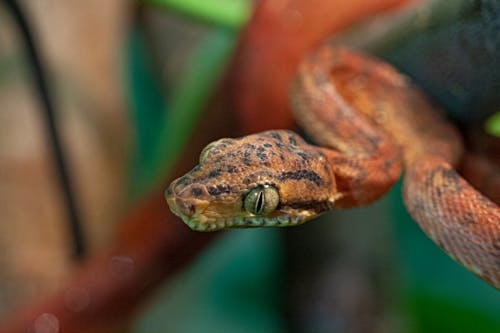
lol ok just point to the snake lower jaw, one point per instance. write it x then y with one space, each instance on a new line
204 224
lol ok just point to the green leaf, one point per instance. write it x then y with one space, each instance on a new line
228 13
203 71
492 124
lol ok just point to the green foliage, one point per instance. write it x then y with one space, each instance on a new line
492 124
198 82
147 109
234 286
228 13
162 127
433 312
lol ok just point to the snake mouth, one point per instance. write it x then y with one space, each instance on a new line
202 223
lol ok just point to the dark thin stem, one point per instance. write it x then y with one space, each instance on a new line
50 122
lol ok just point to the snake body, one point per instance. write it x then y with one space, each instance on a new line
369 122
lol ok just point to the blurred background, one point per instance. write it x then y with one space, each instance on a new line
137 88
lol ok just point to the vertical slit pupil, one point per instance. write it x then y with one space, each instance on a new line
259 204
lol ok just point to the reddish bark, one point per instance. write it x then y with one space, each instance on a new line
153 243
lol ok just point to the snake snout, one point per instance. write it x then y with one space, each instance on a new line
183 203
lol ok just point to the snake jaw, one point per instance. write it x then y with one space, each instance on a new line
202 223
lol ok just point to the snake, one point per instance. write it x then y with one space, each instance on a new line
368 123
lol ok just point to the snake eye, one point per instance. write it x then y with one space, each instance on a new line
262 200
206 150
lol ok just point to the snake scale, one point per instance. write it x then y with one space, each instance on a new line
369 122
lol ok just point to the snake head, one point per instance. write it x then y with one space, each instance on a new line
271 178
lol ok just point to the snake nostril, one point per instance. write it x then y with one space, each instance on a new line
185 207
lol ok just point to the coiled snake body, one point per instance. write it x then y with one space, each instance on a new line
343 99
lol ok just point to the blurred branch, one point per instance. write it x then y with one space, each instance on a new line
49 116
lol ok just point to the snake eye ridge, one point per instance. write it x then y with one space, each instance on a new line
262 200
206 150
